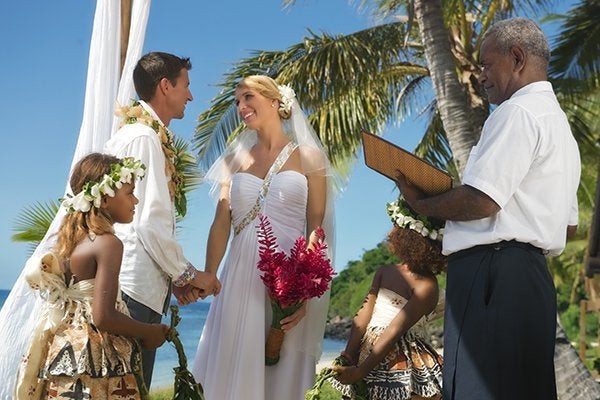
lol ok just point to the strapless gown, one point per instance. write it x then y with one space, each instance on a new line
230 360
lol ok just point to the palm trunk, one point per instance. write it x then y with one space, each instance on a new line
452 101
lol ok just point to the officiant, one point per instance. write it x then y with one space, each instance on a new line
517 203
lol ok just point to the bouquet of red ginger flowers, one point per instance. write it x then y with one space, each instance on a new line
290 279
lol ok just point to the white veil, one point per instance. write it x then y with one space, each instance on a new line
314 161
21 310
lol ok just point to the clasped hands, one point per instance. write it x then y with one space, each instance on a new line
203 285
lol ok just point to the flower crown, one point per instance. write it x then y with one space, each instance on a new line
127 171
402 215
287 97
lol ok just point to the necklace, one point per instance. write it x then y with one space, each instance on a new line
136 113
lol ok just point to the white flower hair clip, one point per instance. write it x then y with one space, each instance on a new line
287 97
127 171
404 217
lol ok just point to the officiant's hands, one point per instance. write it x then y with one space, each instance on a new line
411 193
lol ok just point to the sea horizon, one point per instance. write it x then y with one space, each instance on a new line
190 327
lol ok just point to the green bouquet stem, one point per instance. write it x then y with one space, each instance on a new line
359 388
185 386
276 334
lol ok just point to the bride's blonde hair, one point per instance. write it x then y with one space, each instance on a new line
77 225
267 87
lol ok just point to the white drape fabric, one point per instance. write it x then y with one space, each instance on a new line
21 309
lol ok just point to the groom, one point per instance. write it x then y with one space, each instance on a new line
153 260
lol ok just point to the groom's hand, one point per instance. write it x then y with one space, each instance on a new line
186 294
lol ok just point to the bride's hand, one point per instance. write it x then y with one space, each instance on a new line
314 237
289 322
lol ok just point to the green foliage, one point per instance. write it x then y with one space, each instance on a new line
33 221
161 394
185 386
329 393
350 286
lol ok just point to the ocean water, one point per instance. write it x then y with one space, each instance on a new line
190 328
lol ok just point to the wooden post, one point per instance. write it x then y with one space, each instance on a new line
583 309
125 26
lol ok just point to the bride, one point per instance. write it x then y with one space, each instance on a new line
276 167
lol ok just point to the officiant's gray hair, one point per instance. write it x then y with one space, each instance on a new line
521 32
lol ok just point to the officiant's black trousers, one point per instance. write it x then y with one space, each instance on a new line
499 324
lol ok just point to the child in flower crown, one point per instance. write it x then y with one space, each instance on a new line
85 344
388 346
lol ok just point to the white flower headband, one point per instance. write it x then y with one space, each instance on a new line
287 97
404 217
127 171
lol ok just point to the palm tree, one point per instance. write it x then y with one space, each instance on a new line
376 77
349 82
575 67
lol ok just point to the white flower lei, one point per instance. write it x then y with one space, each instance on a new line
287 97
127 171
402 216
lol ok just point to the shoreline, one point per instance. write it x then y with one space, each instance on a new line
325 361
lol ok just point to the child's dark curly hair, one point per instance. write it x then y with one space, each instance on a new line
422 255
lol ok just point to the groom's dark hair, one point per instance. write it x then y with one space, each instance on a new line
153 67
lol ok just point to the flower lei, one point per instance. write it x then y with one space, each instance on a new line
403 216
127 171
287 97
137 113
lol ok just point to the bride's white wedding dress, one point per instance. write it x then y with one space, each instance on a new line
230 361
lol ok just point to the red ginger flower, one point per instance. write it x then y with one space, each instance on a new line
304 274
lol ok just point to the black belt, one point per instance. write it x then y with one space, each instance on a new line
497 247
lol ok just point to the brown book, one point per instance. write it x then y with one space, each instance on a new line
387 158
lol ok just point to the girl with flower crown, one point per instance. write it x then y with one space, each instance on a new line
277 168
388 354
85 344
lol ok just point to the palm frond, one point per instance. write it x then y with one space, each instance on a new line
32 223
344 83
185 163
577 53
583 111
434 146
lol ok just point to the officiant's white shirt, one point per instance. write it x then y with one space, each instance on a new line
527 161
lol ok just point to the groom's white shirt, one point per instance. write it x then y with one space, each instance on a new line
151 254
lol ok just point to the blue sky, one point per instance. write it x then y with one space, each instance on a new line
43 71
